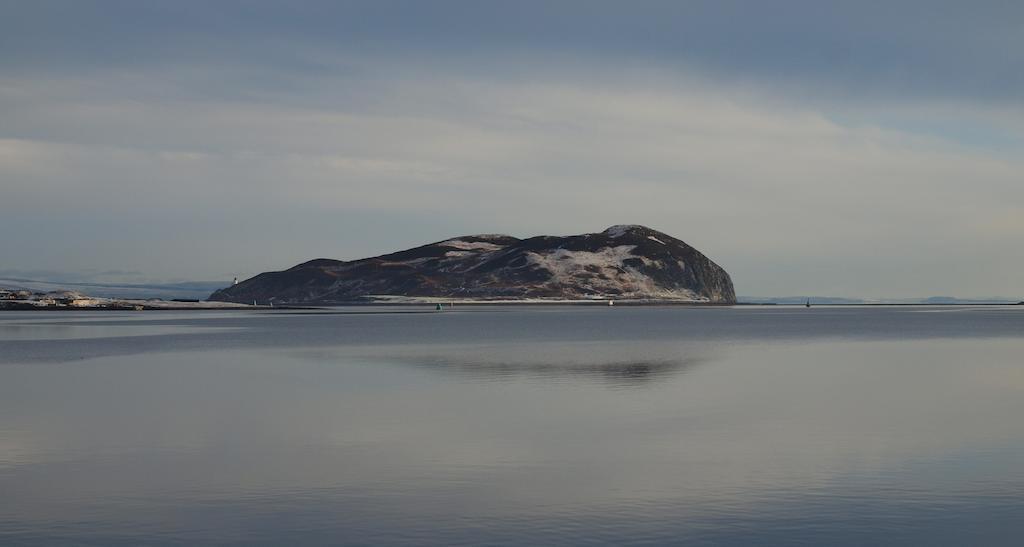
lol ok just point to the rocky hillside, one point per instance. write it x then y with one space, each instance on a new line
623 262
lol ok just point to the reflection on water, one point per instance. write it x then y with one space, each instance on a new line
620 364
518 427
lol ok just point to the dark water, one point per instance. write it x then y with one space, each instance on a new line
532 425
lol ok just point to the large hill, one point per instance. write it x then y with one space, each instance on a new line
626 262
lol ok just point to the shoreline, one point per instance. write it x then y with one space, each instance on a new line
167 305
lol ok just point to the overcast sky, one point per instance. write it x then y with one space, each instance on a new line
863 149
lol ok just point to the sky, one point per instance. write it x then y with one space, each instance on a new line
862 149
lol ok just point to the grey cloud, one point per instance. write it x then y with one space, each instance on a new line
934 48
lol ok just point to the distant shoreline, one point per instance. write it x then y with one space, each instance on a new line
227 306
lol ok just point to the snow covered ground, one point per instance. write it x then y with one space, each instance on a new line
459 243
73 300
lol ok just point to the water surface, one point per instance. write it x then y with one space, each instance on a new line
514 425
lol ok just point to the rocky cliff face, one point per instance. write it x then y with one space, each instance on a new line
623 262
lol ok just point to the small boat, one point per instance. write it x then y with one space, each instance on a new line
808 303
439 307
611 302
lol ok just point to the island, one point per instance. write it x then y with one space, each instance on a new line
624 263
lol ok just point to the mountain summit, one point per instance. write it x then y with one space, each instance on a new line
628 262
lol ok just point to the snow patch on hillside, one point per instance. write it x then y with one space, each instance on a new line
565 263
488 236
414 262
604 272
472 245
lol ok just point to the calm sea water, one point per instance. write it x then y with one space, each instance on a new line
514 425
